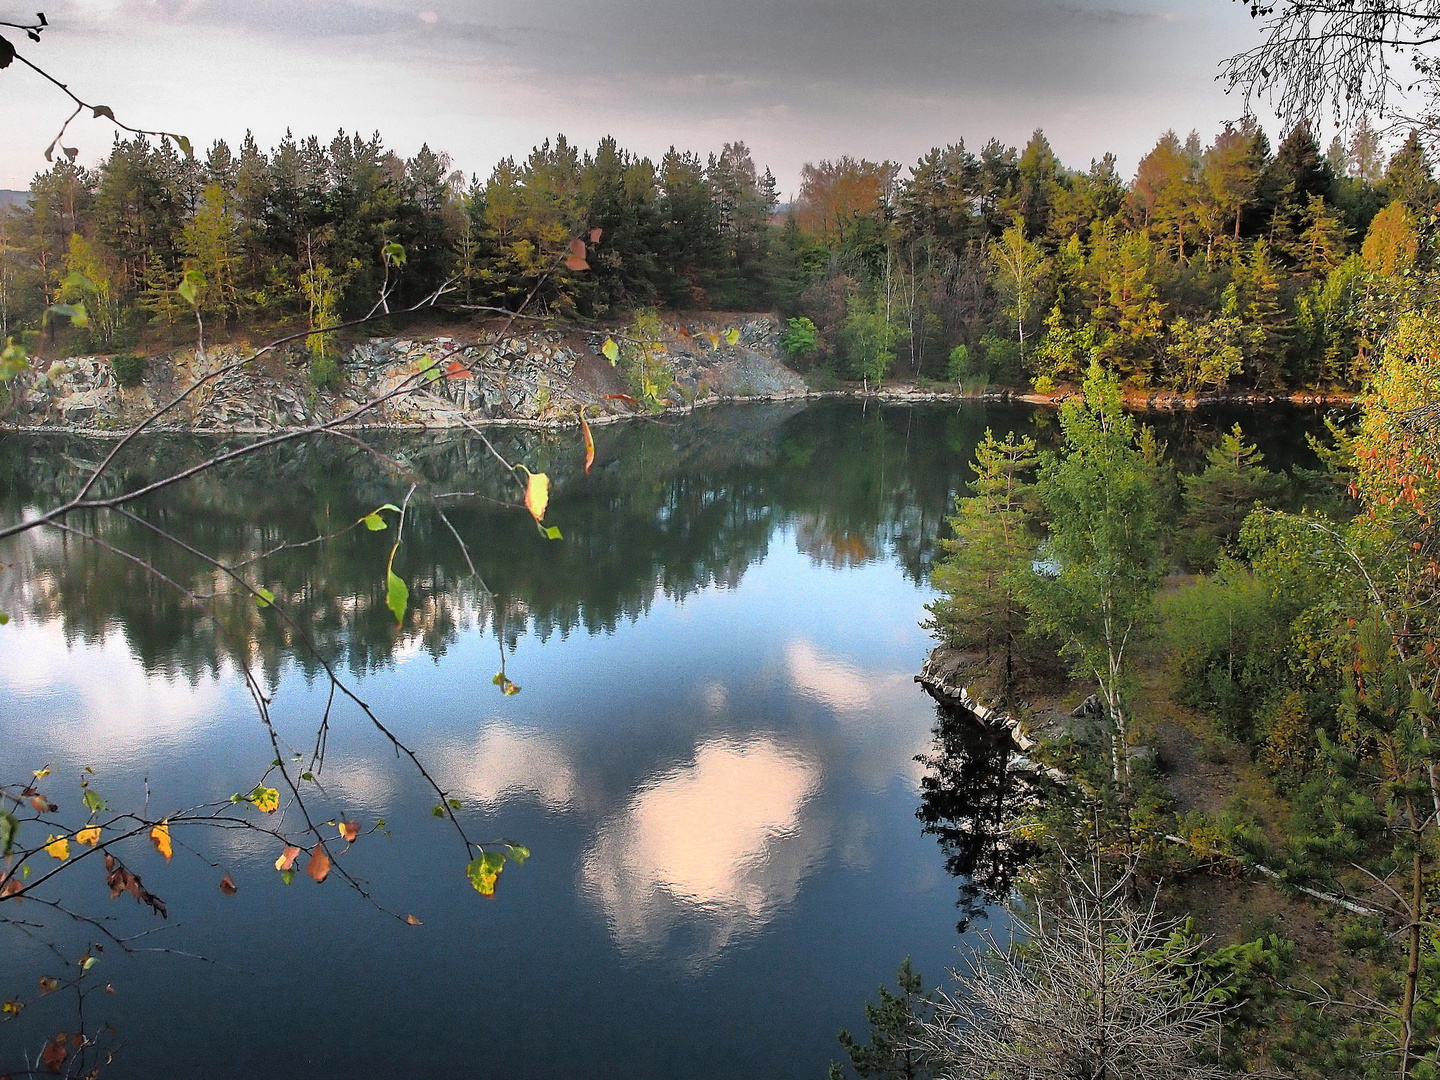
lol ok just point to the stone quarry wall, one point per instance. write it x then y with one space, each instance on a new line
542 377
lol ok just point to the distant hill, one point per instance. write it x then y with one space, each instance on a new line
13 198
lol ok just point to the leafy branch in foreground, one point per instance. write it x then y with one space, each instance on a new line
1348 55
41 846
9 54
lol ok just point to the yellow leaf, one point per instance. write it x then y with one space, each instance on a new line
57 847
49 984
413 921
14 1005
732 336
265 799
537 495
40 774
160 837
610 350
714 339
89 836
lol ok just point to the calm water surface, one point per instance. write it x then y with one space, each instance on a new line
712 758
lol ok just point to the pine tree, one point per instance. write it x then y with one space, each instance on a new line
979 608
895 1023
1218 499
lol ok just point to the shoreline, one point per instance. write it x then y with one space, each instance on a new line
904 394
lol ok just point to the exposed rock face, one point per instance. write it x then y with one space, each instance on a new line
545 376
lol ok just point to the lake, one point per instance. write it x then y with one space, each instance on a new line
712 757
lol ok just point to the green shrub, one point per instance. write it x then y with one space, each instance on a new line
957 368
129 368
324 371
1002 359
800 339
821 379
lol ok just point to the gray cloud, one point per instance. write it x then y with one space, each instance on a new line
798 79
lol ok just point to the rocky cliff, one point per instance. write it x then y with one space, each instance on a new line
445 380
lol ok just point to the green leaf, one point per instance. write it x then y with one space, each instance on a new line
77 281
4 617
184 144
454 803
397 596
102 110
610 350
13 360
9 829
88 963
393 253
438 810
94 803
374 522
287 876
484 870
264 597
518 852
552 533
76 313
190 286
732 336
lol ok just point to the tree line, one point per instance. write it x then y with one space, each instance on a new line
1217 265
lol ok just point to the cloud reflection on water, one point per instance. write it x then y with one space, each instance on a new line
708 852
506 762
886 721
103 704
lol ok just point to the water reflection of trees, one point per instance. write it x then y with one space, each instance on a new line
969 797
670 507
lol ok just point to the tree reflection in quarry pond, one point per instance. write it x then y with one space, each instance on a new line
713 758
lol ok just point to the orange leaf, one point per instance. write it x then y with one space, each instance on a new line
537 494
227 885
577 248
319 865
456 370
413 921
287 858
160 837
589 443
595 235
576 262
349 830
11 887
621 397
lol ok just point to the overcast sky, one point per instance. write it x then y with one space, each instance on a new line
798 80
